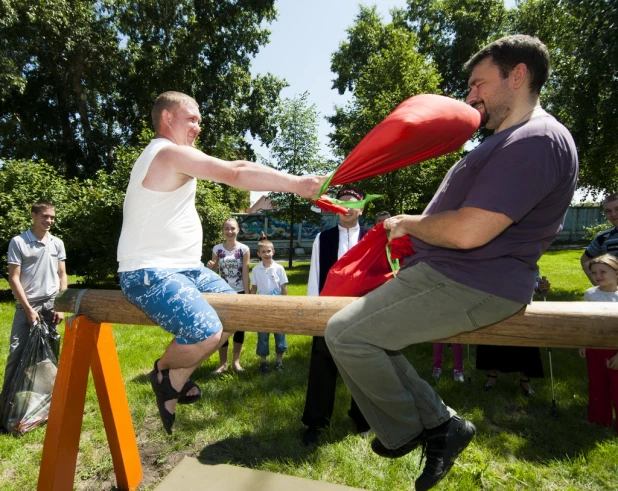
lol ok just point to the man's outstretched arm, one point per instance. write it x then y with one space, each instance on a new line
239 173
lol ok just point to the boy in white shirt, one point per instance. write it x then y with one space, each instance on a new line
269 278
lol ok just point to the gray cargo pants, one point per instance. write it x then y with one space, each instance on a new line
365 337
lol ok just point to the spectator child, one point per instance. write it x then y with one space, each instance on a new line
605 242
438 351
602 363
269 278
231 258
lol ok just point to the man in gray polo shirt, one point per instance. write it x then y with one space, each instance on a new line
36 273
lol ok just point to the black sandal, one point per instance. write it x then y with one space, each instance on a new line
527 393
183 398
164 392
487 387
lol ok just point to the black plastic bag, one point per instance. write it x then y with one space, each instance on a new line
29 394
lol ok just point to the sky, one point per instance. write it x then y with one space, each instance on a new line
303 38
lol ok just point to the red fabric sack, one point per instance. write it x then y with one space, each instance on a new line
423 127
366 266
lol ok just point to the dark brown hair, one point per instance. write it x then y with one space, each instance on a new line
41 205
509 51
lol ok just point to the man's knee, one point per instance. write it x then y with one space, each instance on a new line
335 326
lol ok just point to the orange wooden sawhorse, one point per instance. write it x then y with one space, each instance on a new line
88 345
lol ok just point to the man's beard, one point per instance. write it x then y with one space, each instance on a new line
493 123
484 114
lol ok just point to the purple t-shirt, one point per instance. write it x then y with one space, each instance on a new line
528 173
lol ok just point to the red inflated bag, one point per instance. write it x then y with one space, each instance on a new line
366 266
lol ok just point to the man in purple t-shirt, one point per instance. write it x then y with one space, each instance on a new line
477 245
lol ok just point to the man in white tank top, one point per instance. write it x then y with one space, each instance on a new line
160 247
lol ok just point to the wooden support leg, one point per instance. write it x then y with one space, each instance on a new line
67 408
115 409
87 343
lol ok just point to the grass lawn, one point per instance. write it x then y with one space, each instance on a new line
253 420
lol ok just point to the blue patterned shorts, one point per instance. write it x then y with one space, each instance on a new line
172 297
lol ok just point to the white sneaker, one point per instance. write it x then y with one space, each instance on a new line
437 372
458 376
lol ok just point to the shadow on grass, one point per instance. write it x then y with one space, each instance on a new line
259 415
513 426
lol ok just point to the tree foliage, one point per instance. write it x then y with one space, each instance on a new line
79 77
296 150
21 184
582 91
451 31
89 211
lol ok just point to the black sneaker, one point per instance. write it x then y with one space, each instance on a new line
278 367
405 449
264 368
443 445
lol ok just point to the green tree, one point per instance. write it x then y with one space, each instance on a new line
583 89
22 183
451 31
295 150
79 77
583 41
381 65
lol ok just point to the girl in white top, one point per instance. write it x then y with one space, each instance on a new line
231 260
602 363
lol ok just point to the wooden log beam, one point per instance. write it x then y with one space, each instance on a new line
543 324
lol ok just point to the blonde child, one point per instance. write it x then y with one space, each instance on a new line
231 259
602 363
269 278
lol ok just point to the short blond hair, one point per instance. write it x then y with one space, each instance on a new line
265 243
607 259
167 101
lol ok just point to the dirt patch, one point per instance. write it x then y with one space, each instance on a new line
157 462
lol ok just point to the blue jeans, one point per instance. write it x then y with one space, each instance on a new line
262 344
172 297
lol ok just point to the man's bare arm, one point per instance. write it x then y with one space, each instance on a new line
62 276
187 162
18 291
465 228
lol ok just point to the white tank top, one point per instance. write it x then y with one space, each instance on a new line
159 229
